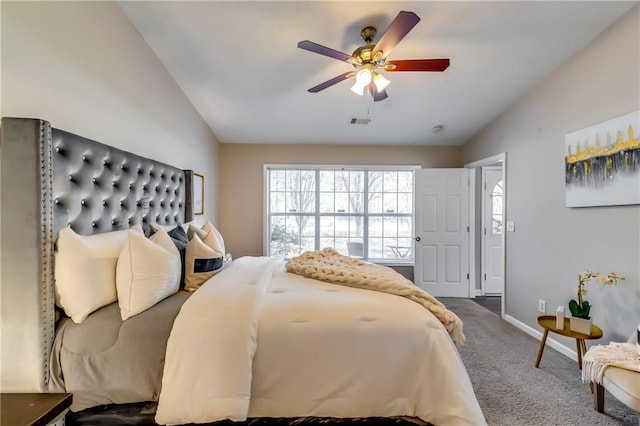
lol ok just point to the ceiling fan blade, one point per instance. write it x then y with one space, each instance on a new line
322 50
417 65
400 27
377 96
334 80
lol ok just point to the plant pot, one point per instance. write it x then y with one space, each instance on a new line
580 325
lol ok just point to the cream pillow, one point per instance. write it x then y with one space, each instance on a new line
148 271
201 263
193 229
218 245
85 270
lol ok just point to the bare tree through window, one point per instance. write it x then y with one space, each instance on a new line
363 211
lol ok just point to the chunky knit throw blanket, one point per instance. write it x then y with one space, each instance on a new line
598 358
330 266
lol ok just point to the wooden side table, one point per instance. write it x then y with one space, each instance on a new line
548 323
32 409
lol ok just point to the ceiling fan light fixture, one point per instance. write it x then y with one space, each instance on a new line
358 89
370 57
380 82
363 78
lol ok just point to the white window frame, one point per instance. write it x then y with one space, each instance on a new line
317 215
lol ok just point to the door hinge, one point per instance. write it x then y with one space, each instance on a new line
485 277
467 275
467 229
485 231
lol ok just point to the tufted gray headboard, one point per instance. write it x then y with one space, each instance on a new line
51 179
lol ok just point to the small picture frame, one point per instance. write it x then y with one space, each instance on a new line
198 194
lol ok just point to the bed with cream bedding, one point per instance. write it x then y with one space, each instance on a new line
257 341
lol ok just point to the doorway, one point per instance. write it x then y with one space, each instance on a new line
488 251
492 269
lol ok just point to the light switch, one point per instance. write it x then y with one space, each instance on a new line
511 226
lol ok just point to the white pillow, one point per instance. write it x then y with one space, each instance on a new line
193 229
85 270
201 263
148 271
219 241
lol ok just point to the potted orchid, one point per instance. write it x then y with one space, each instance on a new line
580 320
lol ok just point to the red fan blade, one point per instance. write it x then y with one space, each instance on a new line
400 27
334 80
377 96
322 50
417 65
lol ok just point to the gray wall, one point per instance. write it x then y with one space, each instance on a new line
551 243
85 68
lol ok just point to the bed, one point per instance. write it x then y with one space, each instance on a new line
253 341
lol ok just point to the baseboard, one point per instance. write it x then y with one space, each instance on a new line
538 335
478 292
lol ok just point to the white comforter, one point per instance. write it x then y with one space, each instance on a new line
256 341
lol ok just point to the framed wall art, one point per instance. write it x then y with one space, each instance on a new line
198 194
602 163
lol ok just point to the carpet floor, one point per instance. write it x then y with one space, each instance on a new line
492 303
500 360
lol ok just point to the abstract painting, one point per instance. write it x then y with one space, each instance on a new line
602 163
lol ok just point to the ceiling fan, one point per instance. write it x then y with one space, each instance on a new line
369 58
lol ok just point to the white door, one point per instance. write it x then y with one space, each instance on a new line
442 232
492 224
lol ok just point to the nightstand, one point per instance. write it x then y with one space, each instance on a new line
32 409
548 323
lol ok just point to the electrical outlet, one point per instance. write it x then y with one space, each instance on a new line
542 306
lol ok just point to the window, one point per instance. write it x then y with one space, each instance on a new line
496 209
360 212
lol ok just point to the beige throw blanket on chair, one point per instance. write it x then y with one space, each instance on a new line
598 358
330 266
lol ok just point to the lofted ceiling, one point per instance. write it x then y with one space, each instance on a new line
239 64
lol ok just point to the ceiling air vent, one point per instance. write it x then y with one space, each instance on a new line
356 120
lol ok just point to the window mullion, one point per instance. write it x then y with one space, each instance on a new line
317 212
365 219
269 219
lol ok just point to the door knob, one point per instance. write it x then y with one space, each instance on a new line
418 238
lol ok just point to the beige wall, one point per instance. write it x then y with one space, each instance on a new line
85 68
242 179
552 243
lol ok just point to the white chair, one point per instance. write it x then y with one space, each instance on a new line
623 384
